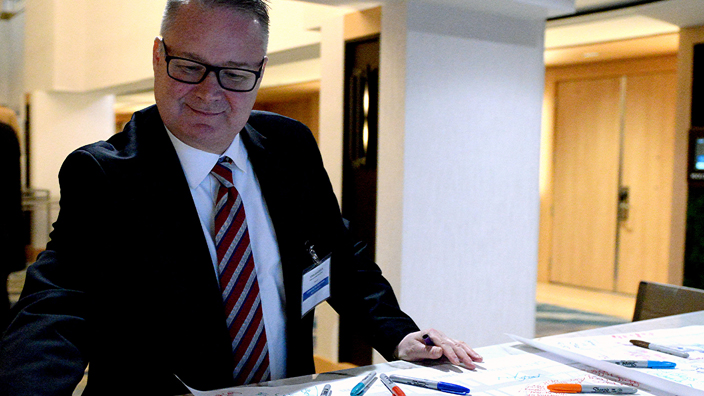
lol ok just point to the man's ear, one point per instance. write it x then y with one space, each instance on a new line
156 54
266 60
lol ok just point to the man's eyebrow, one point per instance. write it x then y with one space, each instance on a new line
195 57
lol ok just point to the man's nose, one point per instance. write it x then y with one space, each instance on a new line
210 87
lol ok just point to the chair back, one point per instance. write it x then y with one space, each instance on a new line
655 300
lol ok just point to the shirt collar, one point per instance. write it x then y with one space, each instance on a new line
197 164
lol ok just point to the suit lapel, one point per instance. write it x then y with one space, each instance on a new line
174 216
188 282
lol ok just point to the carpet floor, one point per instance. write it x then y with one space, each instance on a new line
551 320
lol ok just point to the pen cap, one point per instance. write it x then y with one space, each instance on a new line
640 343
565 388
452 388
364 385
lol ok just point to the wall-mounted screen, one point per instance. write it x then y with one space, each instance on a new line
696 155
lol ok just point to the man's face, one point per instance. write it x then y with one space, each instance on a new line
205 115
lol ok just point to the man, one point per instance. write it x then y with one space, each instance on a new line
137 278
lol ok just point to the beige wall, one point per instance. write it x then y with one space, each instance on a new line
82 45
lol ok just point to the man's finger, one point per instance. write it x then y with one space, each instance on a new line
448 349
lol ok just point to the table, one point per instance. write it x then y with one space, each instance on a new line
497 351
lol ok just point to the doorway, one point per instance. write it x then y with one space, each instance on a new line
359 170
612 173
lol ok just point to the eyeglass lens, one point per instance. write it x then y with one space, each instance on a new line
192 72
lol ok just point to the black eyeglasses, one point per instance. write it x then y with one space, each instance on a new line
192 72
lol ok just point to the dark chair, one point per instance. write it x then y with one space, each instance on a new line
656 300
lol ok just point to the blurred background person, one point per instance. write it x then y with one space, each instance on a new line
12 253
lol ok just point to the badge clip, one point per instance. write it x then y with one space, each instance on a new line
313 255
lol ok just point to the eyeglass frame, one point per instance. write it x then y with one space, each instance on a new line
208 68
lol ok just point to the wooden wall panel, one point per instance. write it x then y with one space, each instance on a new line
648 153
585 182
300 103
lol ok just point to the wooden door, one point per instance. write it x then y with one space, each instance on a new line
648 154
585 189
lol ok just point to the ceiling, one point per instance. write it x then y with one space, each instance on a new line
596 30
607 29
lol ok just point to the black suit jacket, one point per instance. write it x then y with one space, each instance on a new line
127 284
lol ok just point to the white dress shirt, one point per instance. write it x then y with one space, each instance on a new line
204 187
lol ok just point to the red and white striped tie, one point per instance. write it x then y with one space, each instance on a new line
238 281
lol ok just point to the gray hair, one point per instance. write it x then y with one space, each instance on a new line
259 9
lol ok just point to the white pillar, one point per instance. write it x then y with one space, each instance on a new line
459 139
330 141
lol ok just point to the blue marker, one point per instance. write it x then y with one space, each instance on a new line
364 385
437 385
653 364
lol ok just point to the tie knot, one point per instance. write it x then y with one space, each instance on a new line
223 171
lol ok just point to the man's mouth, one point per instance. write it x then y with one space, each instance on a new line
206 112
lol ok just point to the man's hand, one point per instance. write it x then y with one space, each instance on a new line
414 347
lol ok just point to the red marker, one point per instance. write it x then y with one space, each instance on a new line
591 388
391 385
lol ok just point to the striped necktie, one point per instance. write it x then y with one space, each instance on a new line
238 281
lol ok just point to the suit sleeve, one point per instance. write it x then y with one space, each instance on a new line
361 292
44 350
358 288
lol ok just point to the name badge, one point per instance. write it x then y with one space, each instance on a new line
316 283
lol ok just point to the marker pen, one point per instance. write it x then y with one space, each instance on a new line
427 340
660 348
437 385
364 385
653 364
592 388
391 386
